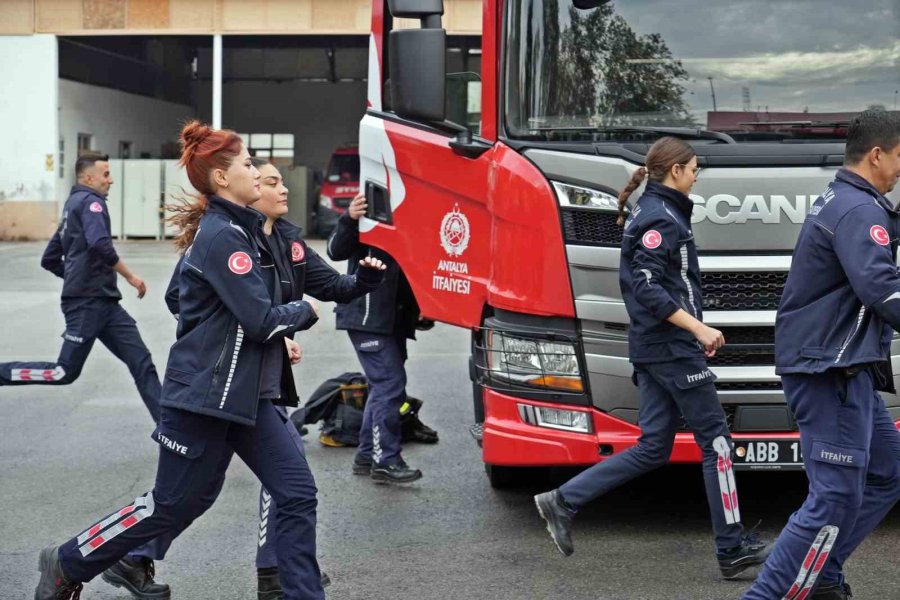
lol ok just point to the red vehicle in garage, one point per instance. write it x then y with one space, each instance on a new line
340 185
497 195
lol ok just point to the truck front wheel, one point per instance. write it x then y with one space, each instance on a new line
502 478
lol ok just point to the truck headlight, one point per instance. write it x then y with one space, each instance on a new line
582 197
534 362
556 418
325 201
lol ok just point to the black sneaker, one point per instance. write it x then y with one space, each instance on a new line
136 576
54 583
751 553
558 518
268 586
832 591
399 472
362 466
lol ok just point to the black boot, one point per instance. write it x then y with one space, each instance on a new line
136 576
414 430
558 518
362 466
751 553
398 472
832 591
268 587
54 583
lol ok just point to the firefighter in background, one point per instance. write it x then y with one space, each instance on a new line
832 346
379 326
668 346
81 252
210 405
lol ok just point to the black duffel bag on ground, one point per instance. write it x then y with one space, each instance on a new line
340 403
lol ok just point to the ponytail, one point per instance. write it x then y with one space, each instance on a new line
202 150
186 215
637 178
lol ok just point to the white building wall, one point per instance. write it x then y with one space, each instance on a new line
111 116
28 135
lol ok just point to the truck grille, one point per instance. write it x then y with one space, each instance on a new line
342 202
749 386
729 410
745 346
591 228
750 290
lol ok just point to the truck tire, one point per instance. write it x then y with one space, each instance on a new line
502 478
478 402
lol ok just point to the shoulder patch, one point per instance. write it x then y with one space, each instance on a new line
297 252
240 263
879 235
652 239
96 207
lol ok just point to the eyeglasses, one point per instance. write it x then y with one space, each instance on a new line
696 170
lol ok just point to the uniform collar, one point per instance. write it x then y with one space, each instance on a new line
849 177
78 188
247 218
684 204
286 229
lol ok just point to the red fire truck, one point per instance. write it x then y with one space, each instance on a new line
495 190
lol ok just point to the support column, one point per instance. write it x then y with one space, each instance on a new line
217 82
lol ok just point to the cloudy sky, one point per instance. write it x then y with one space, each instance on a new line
824 55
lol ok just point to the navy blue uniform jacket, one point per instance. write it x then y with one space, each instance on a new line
390 309
658 274
308 274
842 295
81 250
226 315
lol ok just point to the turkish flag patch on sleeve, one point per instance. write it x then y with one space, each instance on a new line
297 252
880 235
652 239
240 263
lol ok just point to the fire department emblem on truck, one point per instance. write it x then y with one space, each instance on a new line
455 232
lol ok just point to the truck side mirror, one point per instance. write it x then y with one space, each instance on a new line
418 61
418 66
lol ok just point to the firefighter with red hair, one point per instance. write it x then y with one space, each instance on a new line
210 403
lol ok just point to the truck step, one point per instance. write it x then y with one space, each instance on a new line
477 432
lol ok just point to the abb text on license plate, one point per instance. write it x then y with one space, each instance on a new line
752 455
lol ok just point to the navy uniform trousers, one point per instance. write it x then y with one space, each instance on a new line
189 474
383 359
88 320
268 513
851 450
669 390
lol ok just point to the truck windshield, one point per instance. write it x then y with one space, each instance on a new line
755 70
344 167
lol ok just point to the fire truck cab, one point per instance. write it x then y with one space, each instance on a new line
496 192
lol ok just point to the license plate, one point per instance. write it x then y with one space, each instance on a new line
759 455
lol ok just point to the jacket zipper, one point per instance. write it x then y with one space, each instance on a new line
852 334
221 357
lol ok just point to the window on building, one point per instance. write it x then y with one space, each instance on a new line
270 145
85 143
126 149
